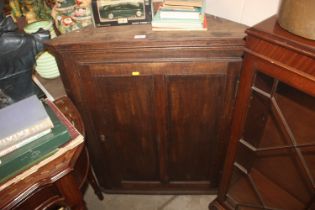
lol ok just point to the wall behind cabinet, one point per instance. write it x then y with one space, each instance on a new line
248 12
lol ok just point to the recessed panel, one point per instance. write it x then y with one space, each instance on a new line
193 115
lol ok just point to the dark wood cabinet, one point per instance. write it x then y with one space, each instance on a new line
270 161
157 109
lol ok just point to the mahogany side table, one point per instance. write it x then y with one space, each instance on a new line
58 183
83 169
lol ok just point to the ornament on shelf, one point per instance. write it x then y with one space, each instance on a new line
32 10
70 15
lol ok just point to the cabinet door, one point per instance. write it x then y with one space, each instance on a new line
195 109
121 107
274 166
160 129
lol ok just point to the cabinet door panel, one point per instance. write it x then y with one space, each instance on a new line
194 109
123 120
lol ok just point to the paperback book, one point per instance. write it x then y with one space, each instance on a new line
191 3
22 123
168 13
165 24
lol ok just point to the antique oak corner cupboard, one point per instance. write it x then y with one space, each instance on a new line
157 107
271 155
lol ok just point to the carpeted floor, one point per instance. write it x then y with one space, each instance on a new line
147 202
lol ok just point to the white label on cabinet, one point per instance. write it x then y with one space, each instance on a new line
140 36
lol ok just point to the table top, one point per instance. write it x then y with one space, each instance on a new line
53 86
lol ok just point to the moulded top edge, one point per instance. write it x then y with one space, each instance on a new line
271 31
218 29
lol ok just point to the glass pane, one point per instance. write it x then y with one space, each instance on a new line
273 135
241 191
298 110
263 82
280 172
245 156
258 111
309 157
262 129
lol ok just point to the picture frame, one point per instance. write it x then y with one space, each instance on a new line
121 12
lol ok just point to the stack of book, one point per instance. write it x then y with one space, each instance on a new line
180 15
30 132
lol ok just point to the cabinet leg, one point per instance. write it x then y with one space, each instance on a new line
70 191
94 184
215 205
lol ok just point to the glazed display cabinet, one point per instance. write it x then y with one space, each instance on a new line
156 105
270 163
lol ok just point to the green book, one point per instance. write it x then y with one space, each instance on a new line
158 22
32 153
170 13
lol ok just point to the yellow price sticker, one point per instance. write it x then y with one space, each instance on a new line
135 73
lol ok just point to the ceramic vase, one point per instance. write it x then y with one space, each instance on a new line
46 65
